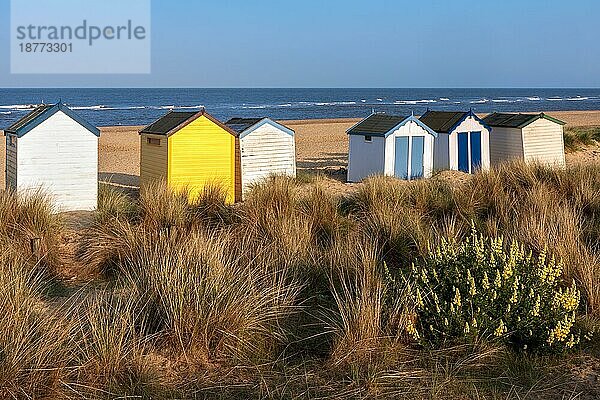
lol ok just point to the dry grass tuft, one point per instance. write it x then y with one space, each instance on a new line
34 342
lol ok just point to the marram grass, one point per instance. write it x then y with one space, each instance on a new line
300 292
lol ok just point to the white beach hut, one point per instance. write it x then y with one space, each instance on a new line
463 143
266 148
390 145
55 150
528 137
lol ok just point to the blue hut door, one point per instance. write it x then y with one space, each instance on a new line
469 151
416 157
463 152
475 151
401 158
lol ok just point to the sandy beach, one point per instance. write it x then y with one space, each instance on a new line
320 145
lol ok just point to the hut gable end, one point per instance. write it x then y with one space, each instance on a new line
543 142
202 153
44 112
60 155
266 148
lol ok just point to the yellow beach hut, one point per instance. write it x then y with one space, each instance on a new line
191 150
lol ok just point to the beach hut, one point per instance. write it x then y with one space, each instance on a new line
191 150
55 150
267 148
400 146
528 137
462 143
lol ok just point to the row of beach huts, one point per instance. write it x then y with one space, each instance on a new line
54 148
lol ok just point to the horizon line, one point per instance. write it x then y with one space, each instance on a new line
304 87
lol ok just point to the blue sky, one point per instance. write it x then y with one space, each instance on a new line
349 43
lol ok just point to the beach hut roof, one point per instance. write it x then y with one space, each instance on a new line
509 120
244 126
447 121
41 114
241 124
378 124
174 121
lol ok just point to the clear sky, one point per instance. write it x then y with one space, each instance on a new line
352 43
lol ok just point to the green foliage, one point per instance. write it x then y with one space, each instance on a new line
481 288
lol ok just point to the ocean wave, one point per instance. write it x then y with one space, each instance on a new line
482 101
299 104
188 107
106 108
578 98
336 103
254 107
503 101
535 98
99 107
379 99
174 107
413 102
129 108
5 112
554 99
20 107
444 99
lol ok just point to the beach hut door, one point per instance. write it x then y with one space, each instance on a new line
401 164
416 159
409 157
475 151
469 151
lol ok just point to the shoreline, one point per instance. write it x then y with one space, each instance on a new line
576 117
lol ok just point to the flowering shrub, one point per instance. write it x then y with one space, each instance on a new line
482 288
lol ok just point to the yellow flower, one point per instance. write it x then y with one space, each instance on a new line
410 328
562 330
424 276
485 281
456 300
513 298
507 272
419 299
567 299
500 330
535 311
498 279
472 288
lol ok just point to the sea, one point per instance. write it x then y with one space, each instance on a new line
122 106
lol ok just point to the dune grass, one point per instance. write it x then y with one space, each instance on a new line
575 137
298 292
